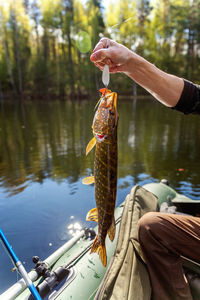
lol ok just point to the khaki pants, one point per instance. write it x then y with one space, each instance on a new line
163 238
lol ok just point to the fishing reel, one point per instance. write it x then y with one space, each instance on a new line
89 233
50 278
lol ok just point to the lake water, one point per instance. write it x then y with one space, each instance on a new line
42 163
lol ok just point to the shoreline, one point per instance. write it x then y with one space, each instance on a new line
83 97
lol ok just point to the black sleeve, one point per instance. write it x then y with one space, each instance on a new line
189 101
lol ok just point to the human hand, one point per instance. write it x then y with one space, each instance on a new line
113 54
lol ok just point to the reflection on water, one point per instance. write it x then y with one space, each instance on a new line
42 163
48 140
71 228
74 229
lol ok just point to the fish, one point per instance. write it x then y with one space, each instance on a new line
104 128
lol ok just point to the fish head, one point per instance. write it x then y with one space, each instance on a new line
106 117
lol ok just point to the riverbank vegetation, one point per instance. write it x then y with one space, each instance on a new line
45 45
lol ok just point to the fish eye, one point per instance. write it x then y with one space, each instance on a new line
111 112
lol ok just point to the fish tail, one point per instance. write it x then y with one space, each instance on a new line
100 249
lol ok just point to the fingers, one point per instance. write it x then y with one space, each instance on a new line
98 55
102 54
103 43
101 51
99 65
113 68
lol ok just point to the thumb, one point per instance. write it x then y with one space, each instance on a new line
98 55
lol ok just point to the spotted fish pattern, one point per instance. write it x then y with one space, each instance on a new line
105 170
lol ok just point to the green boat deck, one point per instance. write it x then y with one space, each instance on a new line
86 270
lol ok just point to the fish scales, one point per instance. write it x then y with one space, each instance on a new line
104 126
105 190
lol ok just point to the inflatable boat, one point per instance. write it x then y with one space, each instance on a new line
72 272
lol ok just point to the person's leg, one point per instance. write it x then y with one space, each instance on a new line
163 238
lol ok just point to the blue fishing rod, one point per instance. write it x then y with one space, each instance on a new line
20 267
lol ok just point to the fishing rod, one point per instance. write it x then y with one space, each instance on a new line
20 267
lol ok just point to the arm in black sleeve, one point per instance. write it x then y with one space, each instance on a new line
189 101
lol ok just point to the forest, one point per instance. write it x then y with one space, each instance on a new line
45 45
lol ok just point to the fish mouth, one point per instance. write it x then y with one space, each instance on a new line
101 137
110 98
106 115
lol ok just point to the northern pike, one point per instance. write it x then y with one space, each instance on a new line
105 170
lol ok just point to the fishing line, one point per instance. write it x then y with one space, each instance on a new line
83 40
12 261
10 257
14 266
125 21
97 105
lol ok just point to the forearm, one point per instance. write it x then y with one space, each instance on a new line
164 87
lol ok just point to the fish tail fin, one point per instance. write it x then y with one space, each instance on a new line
112 230
100 249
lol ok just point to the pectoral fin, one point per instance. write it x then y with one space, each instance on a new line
111 230
88 180
91 145
92 215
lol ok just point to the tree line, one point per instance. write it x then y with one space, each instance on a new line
44 52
